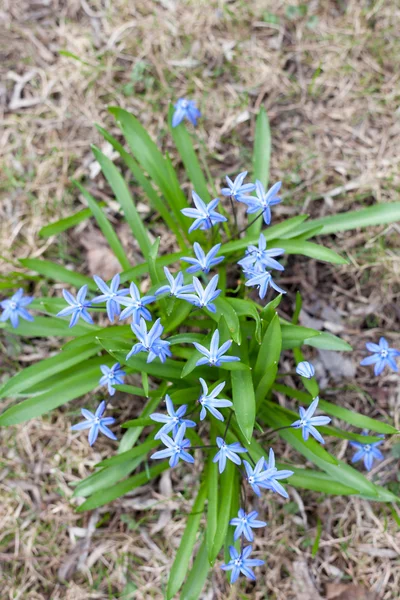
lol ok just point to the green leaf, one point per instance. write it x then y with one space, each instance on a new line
243 396
261 159
270 349
269 309
105 496
318 482
47 327
226 310
105 479
105 227
139 450
182 558
328 341
349 416
124 198
224 502
85 378
212 508
312 251
186 151
57 272
197 577
294 336
66 223
246 308
34 374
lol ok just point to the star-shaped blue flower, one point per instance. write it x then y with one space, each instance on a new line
77 308
175 286
307 423
237 189
205 296
263 201
305 369
382 356
259 258
185 109
203 262
256 476
14 307
135 305
176 448
173 420
368 452
215 356
244 524
272 475
150 342
111 377
96 423
109 295
262 281
209 402
225 451
205 215
241 563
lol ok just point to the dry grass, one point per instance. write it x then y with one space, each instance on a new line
330 83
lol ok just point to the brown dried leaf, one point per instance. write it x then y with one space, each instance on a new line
344 591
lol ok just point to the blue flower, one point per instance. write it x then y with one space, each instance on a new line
244 524
77 307
225 451
113 376
209 402
307 423
261 258
14 307
203 262
176 448
256 476
272 475
367 452
172 420
382 356
263 201
95 423
237 189
263 281
109 295
205 297
175 287
150 342
204 214
185 109
135 305
241 563
215 355
305 369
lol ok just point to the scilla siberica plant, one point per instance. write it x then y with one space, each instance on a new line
206 342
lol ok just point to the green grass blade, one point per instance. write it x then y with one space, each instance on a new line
197 577
66 223
261 160
56 272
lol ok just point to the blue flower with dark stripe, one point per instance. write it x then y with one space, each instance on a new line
110 295
208 401
172 420
308 423
96 423
226 451
382 356
14 307
237 189
176 448
77 307
112 376
205 216
241 563
203 262
185 109
244 524
367 452
135 305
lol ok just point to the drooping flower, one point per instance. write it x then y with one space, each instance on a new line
273 475
173 420
237 189
262 281
109 295
244 524
259 258
263 201
96 423
14 307
382 356
176 287
241 563
205 215
176 448
150 342
307 423
203 262
205 297
225 451
185 109
77 308
368 452
305 369
209 402
111 377
215 356
135 305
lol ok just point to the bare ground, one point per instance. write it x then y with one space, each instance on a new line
329 79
